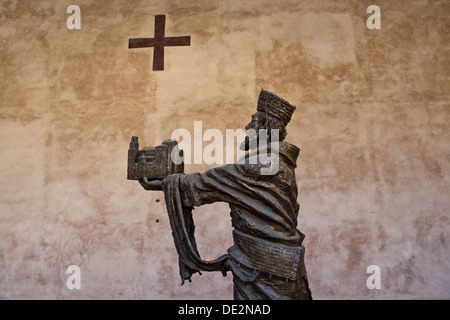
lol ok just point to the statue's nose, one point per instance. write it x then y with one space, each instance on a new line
251 125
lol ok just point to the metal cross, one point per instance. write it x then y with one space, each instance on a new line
159 42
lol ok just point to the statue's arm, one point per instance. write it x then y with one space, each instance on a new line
195 189
221 184
215 185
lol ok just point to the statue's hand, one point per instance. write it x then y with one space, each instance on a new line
151 185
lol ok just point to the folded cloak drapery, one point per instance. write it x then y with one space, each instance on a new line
183 228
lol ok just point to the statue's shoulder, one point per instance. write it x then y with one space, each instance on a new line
289 152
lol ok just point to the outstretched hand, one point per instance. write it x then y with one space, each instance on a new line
151 185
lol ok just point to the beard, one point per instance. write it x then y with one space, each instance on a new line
245 146
249 143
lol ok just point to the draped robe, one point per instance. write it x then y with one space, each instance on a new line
267 258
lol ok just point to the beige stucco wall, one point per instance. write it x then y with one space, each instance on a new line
372 122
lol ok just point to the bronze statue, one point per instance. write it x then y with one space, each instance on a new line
267 258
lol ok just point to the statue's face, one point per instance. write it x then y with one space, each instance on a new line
254 123
252 135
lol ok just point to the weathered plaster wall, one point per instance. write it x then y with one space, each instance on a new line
372 121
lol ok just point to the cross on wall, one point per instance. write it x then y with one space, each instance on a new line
158 42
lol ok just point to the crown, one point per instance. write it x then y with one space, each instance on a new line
275 106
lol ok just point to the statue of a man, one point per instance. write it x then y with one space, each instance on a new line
267 258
